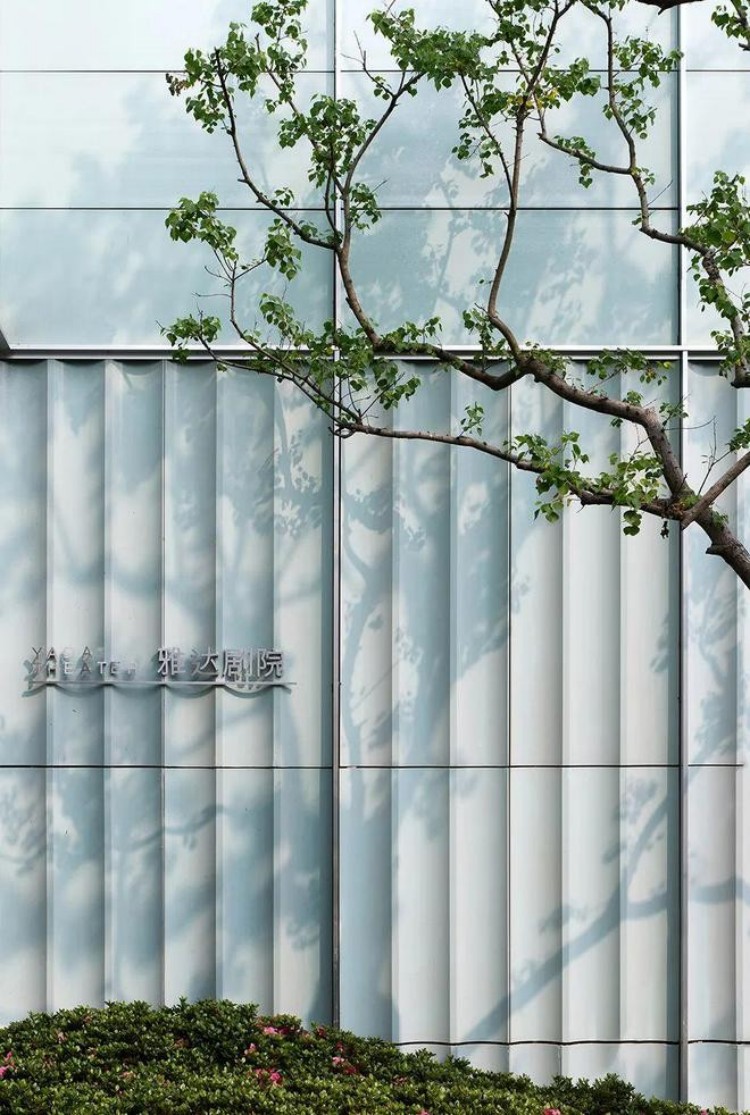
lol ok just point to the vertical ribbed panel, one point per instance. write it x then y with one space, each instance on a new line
23 737
75 721
547 875
536 740
424 846
134 420
189 621
509 859
536 614
161 843
714 732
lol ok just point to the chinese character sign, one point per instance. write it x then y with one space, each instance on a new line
238 669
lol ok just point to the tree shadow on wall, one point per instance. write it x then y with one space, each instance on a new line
132 867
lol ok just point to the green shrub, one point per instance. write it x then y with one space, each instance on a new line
217 1057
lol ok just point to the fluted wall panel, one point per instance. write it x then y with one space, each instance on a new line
525 870
502 807
162 842
540 860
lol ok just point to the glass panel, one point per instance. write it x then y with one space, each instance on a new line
704 45
717 139
581 33
410 164
113 276
107 140
140 35
574 277
357 33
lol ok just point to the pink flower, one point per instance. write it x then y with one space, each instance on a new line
252 1047
3 1070
551 1111
272 1030
345 1066
269 1076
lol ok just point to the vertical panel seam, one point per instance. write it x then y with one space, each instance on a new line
336 564
49 696
163 692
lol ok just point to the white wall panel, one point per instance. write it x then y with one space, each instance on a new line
480 586
302 892
424 591
23 879
590 911
24 526
75 882
591 613
711 589
557 914
479 898
527 913
133 508
134 883
655 1066
189 609
536 908
367 866
712 913
705 46
141 527
536 609
421 961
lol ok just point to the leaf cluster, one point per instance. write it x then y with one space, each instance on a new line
220 1057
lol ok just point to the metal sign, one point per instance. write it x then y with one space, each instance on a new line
239 671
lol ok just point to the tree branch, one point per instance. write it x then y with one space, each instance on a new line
708 499
260 196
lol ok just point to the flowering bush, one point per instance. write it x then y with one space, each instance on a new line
218 1058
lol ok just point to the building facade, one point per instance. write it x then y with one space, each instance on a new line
492 797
